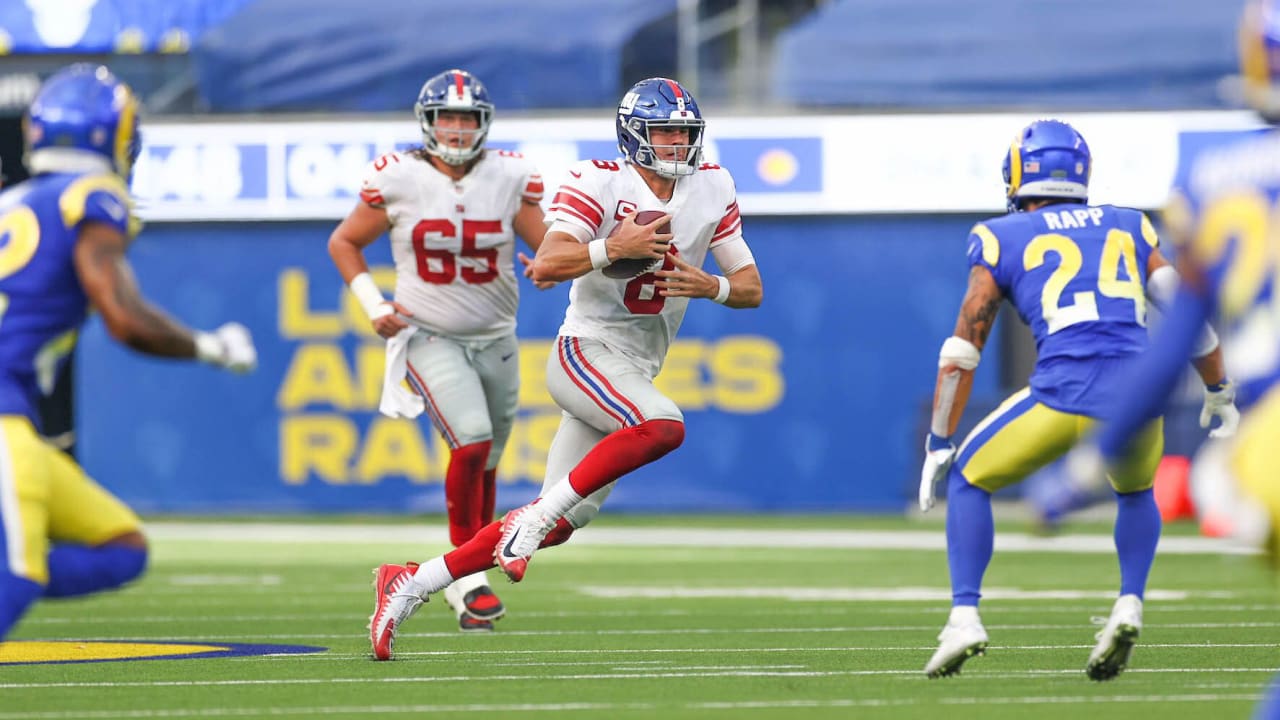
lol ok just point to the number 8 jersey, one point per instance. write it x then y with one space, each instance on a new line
453 242
1077 275
630 315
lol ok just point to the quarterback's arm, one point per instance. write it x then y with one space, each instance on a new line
110 285
567 251
961 351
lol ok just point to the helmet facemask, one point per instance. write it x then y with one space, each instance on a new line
685 157
473 138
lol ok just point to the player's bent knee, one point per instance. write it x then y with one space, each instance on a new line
667 435
132 539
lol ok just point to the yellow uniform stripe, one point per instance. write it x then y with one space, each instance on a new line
72 202
990 245
1149 232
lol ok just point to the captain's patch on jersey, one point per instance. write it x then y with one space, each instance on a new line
26 652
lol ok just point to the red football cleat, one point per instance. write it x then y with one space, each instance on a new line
391 606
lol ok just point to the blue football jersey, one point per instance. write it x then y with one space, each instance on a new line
1225 211
1077 276
42 303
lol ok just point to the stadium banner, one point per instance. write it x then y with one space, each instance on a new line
783 165
814 402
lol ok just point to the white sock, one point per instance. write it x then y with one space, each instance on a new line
557 501
432 576
962 615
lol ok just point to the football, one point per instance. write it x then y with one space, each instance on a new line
627 268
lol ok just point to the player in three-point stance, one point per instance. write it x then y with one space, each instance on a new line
63 236
1080 275
452 209
616 332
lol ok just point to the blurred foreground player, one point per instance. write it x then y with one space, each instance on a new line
63 236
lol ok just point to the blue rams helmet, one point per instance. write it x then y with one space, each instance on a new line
1047 159
453 91
659 102
83 115
1259 39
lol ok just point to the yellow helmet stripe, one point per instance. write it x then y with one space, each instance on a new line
124 132
1015 165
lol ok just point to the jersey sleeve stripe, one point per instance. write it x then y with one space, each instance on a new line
584 198
727 233
372 197
567 213
592 215
731 217
533 189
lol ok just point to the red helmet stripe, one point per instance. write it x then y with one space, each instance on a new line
458 83
675 88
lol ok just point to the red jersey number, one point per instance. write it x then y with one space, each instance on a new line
446 266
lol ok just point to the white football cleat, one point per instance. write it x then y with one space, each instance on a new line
392 605
1116 640
961 638
523 530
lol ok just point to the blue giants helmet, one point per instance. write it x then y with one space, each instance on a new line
1260 57
1047 159
453 91
659 102
83 117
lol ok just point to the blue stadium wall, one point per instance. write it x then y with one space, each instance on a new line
814 402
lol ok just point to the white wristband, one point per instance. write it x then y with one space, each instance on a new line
370 297
209 348
599 253
722 297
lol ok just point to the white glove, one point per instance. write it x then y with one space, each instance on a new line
938 454
229 347
1220 403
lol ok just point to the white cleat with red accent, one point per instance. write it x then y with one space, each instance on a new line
392 605
523 530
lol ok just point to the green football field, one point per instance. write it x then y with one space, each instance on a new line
724 617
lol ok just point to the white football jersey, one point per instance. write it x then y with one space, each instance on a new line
453 242
630 315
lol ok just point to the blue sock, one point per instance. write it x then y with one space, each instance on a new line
1137 533
971 534
80 570
16 595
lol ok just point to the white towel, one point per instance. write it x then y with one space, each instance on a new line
397 401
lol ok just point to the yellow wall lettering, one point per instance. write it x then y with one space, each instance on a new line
746 374
320 444
681 378
294 309
370 364
394 447
317 374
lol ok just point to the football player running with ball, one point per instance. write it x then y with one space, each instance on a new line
63 237
452 209
1080 276
615 334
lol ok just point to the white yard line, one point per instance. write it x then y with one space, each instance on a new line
375 534
581 677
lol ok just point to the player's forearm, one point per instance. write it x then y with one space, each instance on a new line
950 396
562 260
1211 368
147 329
745 289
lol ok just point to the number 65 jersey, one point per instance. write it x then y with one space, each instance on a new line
630 315
1077 275
453 242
